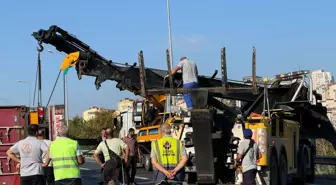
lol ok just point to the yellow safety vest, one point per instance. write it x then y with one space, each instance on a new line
64 158
167 151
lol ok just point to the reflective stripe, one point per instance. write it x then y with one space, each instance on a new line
169 166
66 166
178 151
158 154
63 152
63 158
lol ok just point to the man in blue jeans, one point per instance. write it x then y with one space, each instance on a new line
189 77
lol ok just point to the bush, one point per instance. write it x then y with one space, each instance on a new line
324 148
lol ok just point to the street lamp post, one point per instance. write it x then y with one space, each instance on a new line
170 98
65 92
21 81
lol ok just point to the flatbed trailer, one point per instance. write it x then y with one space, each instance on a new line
289 121
214 128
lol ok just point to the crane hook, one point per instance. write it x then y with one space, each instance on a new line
40 48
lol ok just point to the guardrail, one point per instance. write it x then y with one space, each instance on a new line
326 160
88 153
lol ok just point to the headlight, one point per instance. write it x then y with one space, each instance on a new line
235 142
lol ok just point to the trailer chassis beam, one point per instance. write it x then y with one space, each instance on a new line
202 114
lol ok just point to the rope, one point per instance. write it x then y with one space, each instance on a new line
52 92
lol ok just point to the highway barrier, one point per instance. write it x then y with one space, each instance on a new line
325 160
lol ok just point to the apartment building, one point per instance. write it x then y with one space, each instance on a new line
321 79
91 112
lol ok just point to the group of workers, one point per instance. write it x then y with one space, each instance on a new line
117 157
36 153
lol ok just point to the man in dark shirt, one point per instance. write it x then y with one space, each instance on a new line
133 156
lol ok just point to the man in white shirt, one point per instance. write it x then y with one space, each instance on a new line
118 147
30 151
49 170
189 77
248 154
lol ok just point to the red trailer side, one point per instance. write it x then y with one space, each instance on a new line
13 125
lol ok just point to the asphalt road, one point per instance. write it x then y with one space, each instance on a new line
90 172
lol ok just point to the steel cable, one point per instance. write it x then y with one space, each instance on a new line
52 92
35 86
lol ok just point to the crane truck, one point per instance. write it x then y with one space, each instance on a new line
283 115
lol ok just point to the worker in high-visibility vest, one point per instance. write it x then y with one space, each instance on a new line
168 157
66 157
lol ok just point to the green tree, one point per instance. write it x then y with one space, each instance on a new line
76 126
91 129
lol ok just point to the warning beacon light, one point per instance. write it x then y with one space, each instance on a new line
292 75
40 112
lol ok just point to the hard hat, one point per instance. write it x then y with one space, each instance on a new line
248 133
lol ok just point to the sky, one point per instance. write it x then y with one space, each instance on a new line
288 36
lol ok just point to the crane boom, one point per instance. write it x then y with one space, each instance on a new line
90 63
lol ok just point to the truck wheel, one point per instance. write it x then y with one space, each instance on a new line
274 172
190 177
148 163
283 170
311 175
142 161
302 171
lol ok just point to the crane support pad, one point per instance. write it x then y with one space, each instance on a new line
202 120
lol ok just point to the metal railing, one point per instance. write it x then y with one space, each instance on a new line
325 160
88 153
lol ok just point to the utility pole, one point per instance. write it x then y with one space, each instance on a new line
65 92
169 97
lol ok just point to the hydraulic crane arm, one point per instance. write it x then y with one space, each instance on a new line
88 62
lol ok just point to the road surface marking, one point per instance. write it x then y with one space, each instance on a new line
142 178
148 182
86 169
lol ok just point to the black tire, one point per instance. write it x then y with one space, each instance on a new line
302 171
274 170
311 176
142 161
283 172
190 177
148 163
